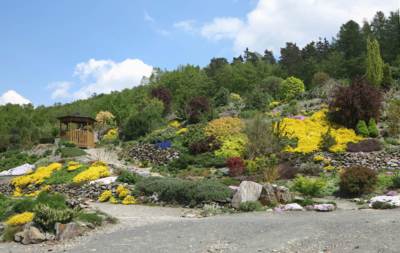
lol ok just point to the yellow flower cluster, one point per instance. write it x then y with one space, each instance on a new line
122 191
95 171
20 219
309 131
36 177
105 196
111 135
73 166
129 200
224 127
232 146
181 131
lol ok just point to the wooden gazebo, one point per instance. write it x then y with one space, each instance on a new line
77 129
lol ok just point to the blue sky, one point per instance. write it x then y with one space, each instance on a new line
58 51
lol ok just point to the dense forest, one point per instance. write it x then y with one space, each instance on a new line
258 79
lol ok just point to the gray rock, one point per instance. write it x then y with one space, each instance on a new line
30 235
67 231
248 191
292 207
324 207
273 194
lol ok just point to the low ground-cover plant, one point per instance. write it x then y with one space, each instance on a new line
251 206
357 180
173 190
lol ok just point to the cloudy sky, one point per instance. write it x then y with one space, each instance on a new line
60 51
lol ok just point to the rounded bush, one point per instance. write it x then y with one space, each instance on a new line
357 180
292 87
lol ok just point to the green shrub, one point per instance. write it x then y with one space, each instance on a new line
52 200
372 128
14 158
92 218
173 190
309 186
128 177
206 191
250 206
46 217
357 180
5 207
384 181
229 181
24 205
292 87
396 181
71 152
68 144
362 128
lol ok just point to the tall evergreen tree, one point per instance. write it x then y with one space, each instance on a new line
374 62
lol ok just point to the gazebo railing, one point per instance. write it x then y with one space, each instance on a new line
81 138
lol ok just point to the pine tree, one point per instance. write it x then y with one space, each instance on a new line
374 62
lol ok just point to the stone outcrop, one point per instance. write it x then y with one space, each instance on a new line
248 191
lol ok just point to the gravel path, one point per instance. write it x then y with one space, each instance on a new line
157 229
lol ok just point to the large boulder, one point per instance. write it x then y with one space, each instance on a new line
30 235
273 194
248 191
67 231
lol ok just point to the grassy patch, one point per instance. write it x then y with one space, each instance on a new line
251 206
63 176
93 218
71 152
12 159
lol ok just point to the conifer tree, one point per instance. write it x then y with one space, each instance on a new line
374 62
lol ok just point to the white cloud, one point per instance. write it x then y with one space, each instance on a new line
12 97
148 18
60 90
222 28
274 22
186 25
102 76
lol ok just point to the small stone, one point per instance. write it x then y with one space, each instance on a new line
67 231
324 207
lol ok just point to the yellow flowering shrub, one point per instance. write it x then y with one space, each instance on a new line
309 131
95 171
122 191
114 200
73 166
129 200
20 219
224 127
36 177
105 196
232 146
111 135
174 124
319 158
